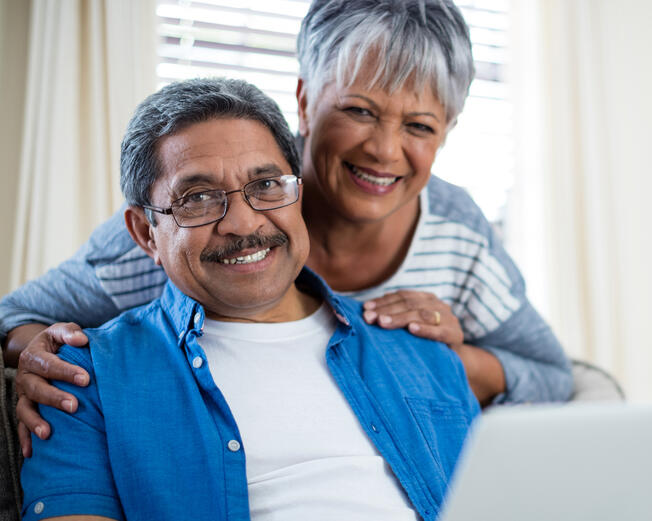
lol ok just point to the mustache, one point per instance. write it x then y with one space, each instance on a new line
237 245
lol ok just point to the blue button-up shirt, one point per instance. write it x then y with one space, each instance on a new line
154 438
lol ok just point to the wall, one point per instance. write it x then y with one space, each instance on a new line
14 29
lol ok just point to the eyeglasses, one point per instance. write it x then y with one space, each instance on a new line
201 208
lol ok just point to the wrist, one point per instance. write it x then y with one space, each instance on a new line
17 340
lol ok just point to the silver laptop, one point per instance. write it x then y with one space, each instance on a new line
569 463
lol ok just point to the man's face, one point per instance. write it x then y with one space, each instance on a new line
225 154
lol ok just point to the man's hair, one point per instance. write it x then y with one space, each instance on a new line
184 103
426 41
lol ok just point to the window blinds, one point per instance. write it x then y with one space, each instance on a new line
255 40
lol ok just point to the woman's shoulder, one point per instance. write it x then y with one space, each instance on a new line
448 202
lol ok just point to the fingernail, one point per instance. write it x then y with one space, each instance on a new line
369 316
384 319
80 379
67 404
39 431
413 328
370 305
24 451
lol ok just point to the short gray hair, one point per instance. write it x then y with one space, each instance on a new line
425 40
181 104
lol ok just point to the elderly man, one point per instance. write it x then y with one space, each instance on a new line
244 353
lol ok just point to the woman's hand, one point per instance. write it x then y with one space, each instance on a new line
426 316
38 363
422 313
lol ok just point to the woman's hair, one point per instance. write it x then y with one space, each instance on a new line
425 41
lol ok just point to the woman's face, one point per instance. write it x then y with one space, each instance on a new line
369 152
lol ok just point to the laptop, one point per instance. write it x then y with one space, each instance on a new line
555 463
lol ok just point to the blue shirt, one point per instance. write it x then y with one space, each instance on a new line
153 437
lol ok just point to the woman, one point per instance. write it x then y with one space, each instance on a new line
381 83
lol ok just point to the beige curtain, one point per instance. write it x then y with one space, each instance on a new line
580 219
90 62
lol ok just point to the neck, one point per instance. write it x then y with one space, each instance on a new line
294 305
339 247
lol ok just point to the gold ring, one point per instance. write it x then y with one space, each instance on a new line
437 318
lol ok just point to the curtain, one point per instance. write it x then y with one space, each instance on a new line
90 62
579 223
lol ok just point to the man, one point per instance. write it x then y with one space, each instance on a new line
244 352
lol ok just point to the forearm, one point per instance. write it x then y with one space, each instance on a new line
17 339
484 372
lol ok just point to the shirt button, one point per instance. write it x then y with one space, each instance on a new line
197 362
233 445
197 319
375 429
181 335
38 508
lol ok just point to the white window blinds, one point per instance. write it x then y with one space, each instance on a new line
255 40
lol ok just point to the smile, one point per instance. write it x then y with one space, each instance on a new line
247 259
369 178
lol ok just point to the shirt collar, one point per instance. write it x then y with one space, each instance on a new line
187 314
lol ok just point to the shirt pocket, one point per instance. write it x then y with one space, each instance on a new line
444 427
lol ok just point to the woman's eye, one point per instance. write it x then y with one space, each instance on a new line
420 127
359 111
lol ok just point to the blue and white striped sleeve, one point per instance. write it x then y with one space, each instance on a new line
90 288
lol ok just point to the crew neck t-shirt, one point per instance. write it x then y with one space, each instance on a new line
307 457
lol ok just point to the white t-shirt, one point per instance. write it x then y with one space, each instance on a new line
307 456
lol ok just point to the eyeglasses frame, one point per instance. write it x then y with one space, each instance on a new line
169 211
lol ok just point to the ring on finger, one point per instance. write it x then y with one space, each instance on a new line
437 318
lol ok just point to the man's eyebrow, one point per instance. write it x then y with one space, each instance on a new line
266 170
375 106
191 180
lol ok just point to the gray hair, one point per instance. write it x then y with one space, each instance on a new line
185 103
424 40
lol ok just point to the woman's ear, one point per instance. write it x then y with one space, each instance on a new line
302 106
142 231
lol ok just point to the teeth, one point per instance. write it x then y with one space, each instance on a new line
247 259
382 181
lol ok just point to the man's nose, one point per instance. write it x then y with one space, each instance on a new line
240 219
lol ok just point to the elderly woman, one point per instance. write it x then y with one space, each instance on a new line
381 83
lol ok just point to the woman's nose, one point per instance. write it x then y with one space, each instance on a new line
384 144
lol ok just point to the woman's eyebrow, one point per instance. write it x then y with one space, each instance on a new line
375 106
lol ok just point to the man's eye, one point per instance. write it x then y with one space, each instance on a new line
265 185
197 198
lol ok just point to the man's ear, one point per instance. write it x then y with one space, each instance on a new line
141 231
302 106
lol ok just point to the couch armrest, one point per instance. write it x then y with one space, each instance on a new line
10 454
594 384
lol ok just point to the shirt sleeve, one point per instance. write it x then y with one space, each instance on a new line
71 292
70 473
535 365
494 310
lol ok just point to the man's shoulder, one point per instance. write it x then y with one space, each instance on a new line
116 335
